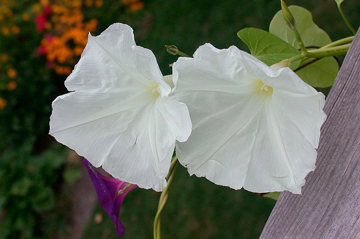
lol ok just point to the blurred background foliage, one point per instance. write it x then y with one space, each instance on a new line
41 41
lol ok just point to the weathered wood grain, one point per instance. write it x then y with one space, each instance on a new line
330 204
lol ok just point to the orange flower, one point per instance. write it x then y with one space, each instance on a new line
5 31
98 3
44 2
88 3
2 103
4 58
12 85
78 50
25 17
37 8
11 72
15 30
136 6
91 25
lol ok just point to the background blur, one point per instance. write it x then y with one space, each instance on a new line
44 190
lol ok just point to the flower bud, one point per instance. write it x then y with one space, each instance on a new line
281 64
290 21
172 49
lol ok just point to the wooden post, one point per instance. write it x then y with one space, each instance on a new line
329 206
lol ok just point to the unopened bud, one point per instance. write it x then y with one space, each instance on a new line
281 64
289 18
172 49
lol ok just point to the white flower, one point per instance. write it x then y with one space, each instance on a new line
121 114
253 126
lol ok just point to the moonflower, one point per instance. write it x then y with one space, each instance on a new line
111 193
253 126
121 113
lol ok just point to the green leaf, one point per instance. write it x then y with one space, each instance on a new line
267 47
321 73
21 187
44 200
273 195
3 200
71 174
310 33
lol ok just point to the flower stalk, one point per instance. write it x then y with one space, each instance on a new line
163 199
290 21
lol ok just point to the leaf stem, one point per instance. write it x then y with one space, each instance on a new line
163 199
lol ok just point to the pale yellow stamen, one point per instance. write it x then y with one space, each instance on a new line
262 88
155 90
265 87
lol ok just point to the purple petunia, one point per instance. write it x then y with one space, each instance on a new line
107 190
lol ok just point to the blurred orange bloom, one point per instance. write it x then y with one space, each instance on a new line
4 58
11 72
2 103
98 3
25 17
12 85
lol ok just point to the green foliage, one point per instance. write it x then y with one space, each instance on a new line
310 33
273 195
267 47
71 174
28 189
322 73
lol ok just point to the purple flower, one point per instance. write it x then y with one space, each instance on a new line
109 194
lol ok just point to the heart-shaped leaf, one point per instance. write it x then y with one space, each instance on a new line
267 47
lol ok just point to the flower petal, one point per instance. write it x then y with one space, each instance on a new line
243 137
107 189
110 131
176 116
146 63
105 58
115 116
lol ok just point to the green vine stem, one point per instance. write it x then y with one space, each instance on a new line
323 52
346 20
163 199
339 42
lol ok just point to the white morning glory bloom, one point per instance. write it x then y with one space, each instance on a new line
120 113
253 126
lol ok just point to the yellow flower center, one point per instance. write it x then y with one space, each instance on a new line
154 90
262 89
